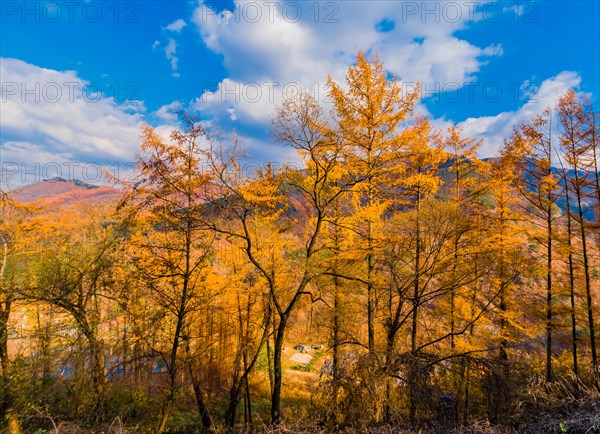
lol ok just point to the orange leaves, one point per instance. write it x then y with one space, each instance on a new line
264 191
465 165
422 157
369 115
20 227
373 106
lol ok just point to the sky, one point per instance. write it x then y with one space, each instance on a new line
79 78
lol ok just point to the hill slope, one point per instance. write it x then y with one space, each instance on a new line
59 191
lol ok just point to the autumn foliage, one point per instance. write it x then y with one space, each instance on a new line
387 280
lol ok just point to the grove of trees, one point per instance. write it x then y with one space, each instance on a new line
440 290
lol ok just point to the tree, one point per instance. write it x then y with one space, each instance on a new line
532 148
571 266
171 248
422 159
576 148
75 272
464 191
467 186
253 214
369 117
17 224
505 241
250 315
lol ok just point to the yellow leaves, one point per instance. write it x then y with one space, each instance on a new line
549 184
369 113
578 131
466 166
264 192
427 184
170 175
372 98
21 227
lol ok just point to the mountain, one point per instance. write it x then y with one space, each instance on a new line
588 201
59 191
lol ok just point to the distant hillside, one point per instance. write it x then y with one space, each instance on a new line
59 191
588 201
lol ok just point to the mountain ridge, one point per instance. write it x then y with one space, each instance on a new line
61 191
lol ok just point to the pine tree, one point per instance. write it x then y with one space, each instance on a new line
171 247
532 149
369 117
576 150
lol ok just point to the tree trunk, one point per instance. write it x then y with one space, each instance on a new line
171 391
453 296
391 338
164 415
270 352
586 269
370 302
234 400
572 289
416 301
248 421
277 370
97 367
549 296
7 412
336 334
205 417
98 379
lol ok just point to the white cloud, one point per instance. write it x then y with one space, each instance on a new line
49 116
27 163
264 43
493 129
303 42
232 114
166 112
260 152
170 51
252 102
171 47
176 26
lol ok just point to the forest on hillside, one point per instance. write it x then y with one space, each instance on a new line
390 282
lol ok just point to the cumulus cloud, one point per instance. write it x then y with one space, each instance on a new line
302 42
170 53
176 26
55 116
493 129
251 102
268 46
166 113
170 49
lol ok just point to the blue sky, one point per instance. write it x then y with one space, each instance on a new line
80 77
